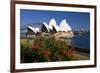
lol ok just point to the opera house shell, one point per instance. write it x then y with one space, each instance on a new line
61 30
63 27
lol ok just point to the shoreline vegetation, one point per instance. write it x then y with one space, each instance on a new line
50 49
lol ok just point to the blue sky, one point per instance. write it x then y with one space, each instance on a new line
77 20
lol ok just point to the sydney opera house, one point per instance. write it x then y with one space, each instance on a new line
61 30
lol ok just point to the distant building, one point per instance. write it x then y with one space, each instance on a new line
31 31
52 27
64 26
45 27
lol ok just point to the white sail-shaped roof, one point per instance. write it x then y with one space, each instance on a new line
69 28
46 25
35 30
32 28
52 24
64 26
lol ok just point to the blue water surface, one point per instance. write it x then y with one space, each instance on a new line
81 41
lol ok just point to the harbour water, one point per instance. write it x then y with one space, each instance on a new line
81 41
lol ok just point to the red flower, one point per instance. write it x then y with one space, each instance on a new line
35 46
46 53
69 52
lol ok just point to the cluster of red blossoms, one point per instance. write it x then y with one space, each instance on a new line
46 53
69 52
35 46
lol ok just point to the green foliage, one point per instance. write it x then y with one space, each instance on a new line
67 58
50 49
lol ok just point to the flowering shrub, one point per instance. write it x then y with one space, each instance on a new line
49 49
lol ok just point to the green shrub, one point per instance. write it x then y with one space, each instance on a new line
45 49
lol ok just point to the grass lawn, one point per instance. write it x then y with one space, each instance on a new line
26 42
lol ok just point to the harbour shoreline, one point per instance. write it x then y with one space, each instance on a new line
81 53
